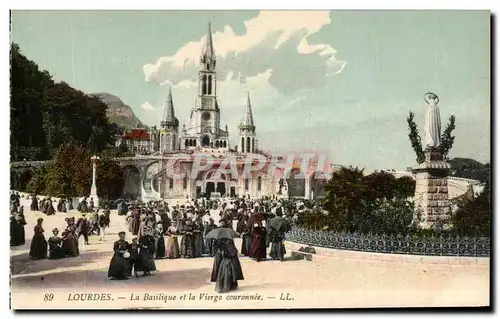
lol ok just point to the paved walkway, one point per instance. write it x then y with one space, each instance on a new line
334 283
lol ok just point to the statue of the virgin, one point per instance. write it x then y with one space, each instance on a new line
432 121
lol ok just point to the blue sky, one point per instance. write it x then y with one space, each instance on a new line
340 81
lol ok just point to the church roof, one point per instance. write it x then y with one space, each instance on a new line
208 52
248 117
136 134
169 115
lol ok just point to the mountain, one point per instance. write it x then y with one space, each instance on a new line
119 112
469 168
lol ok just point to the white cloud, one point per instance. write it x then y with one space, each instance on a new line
268 32
147 106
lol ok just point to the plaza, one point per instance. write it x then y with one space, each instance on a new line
322 283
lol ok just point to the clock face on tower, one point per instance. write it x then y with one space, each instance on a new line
205 116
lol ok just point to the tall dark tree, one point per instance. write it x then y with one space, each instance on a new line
45 115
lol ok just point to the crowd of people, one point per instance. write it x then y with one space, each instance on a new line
182 231
60 244
160 231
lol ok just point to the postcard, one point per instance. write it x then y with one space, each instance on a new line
249 159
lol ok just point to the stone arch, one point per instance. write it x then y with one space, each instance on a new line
205 140
150 182
132 184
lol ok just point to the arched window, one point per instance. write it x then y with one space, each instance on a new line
217 144
225 143
259 183
204 85
248 145
184 182
243 145
246 184
194 143
171 183
209 85
253 144
205 141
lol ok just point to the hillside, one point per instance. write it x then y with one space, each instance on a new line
118 112
469 168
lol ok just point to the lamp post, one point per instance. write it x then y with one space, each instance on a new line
93 189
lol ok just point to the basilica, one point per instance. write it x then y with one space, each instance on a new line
203 134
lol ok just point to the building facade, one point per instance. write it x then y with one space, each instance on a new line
172 172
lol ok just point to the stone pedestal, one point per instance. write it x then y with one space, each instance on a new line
431 191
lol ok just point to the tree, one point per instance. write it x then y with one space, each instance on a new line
405 187
416 141
38 183
45 114
110 179
447 139
381 184
344 194
473 216
70 174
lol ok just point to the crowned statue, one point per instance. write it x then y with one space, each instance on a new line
432 121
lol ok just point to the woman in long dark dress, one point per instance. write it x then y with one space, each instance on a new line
134 259
258 248
69 239
34 203
187 241
119 266
246 242
147 249
159 242
55 245
135 222
50 210
38 248
242 221
198 244
17 233
209 243
276 239
226 270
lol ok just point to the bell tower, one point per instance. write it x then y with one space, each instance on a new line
247 142
208 110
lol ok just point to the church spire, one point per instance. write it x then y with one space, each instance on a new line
208 53
169 115
248 118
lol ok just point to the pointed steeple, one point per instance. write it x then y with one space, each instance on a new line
248 117
208 53
169 118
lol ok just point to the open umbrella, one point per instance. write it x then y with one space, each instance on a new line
220 233
280 224
256 218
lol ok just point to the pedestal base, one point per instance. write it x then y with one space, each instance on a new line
431 191
93 195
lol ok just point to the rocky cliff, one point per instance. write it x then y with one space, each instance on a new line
118 112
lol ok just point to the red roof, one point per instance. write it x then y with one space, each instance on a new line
137 134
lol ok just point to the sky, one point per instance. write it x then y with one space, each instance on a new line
340 82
